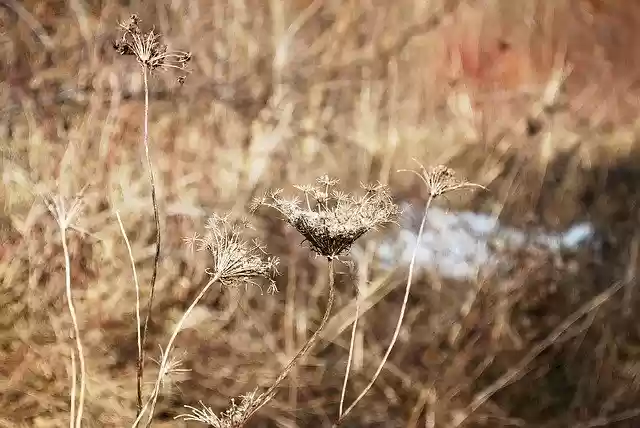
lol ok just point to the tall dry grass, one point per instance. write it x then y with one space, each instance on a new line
533 103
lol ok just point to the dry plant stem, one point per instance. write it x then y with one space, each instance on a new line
167 351
76 332
519 369
156 258
350 358
403 309
137 286
74 388
267 396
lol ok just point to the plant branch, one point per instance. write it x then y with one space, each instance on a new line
76 333
156 259
270 393
137 286
403 309
350 358
151 402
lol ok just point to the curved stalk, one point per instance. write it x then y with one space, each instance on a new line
76 333
403 309
156 258
167 350
267 396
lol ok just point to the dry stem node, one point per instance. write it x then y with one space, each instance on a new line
235 416
234 261
331 220
148 48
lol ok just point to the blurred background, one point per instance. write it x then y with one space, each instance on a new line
537 101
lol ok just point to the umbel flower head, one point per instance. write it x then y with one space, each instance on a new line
234 261
234 417
441 179
148 48
331 220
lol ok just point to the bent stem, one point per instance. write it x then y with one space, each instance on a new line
76 333
156 258
403 309
153 399
137 287
267 396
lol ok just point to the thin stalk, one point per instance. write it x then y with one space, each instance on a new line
396 333
267 396
74 388
137 286
156 259
167 349
350 358
76 332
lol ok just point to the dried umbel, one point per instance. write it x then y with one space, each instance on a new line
331 220
148 48
234 261
234 417
441 179
171 372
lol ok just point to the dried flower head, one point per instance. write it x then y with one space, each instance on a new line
171 373
148 48
441 179
331 220
234 417
234 261
65 213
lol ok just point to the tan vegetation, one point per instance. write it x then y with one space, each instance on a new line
537 103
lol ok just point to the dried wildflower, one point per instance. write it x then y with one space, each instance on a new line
332 220
171 373
234 417
441 179
148 48
64 214
234 261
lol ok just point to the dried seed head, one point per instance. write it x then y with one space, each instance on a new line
441 179
234 261
148 48
65 213
171 373
234 417
330 220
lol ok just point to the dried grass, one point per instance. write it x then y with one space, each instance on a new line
280 93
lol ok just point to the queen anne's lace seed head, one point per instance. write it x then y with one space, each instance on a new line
441 179
148 48
234 417
233 260
331 220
